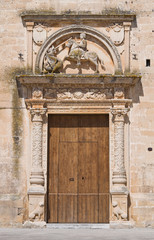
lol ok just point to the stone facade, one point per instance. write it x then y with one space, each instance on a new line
112 74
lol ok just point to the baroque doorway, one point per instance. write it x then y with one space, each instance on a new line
78 168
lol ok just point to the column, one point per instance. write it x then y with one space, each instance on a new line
119 173
127 26
30 26
37 176
119 193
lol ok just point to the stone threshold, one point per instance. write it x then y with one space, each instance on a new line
77 226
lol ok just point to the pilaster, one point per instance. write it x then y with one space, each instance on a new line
36 191
127 26
29 26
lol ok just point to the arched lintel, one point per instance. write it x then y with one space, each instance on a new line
79 29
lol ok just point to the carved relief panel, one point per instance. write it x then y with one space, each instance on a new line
78 51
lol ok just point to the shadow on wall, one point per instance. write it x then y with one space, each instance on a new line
137 92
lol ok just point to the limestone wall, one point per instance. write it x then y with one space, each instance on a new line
15 124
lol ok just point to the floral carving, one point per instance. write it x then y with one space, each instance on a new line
37 144
79 94
119 172
37 171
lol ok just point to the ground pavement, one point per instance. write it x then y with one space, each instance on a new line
76 234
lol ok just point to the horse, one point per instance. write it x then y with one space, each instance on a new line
77 53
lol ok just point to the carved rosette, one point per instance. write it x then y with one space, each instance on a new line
119 173
37 177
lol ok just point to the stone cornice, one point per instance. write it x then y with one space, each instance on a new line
74 80
52 18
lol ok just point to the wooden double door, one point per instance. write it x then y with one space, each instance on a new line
78 169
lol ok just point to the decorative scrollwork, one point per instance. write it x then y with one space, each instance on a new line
79 93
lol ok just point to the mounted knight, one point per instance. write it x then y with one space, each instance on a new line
79 52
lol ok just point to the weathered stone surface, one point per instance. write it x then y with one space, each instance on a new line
15 121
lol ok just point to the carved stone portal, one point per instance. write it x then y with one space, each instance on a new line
78 94
78 51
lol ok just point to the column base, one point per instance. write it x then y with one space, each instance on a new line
36 190
36 206
119 206
119 179
124 224
29 224
37 177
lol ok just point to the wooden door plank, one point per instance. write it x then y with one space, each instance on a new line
88 128
68 160
52 208
67 208
103 208
88 208
68 128
88 167
53 154
103 149
88 182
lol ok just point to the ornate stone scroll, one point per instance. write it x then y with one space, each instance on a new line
37 177
119 173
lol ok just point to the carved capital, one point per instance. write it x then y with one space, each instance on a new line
119 114
127 26
30 26
37 114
